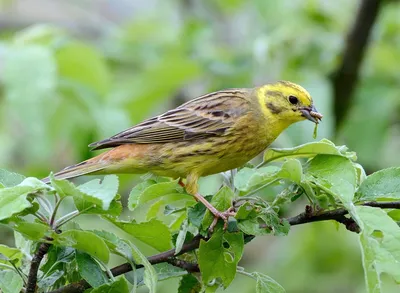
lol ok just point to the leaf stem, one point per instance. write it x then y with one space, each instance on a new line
68 217
244 273
44 202
54 214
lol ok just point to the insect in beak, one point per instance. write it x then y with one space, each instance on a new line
311 114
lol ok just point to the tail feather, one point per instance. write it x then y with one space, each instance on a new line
83 168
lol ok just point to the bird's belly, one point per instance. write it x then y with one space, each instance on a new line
206 157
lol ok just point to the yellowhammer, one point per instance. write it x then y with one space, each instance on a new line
207 135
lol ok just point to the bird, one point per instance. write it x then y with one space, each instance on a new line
212 133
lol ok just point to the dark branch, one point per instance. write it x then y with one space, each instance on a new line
37 258
308 216
345 78
188 266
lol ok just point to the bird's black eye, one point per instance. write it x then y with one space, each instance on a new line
293 100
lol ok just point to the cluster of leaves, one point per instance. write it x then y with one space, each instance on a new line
165 218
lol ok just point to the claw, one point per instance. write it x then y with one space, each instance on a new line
224 216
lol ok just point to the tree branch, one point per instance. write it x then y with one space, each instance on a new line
345 78
308 216
37 258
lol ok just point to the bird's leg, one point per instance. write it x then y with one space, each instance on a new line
217 214
192 187
180 182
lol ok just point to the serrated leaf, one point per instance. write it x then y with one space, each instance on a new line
219 256
380 251
160 189
86 241
189 284
135 193
247 178
118 286
89 269
11 255
10 179
335 174
222 201
381 185
291 170
266 284
56 257
93 193
104 190
50 280
154 232
264 223
13 200
308 150
32 231
10 282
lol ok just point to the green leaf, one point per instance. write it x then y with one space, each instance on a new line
266 284
84 64
119 286
380 243
291 170
150 197
90 270
263 223
335 175
180 240
135 193
85 207
9 254
189 284
222 201
219 256
86 241
160 189
32 231
49 281
105 190
13 200
247 178
150 275
56 257
381 185
164 271
94 194
153 233
308 150
10 282
9 179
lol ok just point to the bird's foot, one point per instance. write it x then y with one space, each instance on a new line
221 215
217 214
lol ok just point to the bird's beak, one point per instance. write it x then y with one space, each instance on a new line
311 114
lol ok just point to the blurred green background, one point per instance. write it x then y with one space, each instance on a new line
72 72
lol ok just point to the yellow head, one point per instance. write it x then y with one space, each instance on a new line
288 101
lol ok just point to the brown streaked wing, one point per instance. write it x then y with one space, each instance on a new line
208 115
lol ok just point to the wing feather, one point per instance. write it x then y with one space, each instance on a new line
205 116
